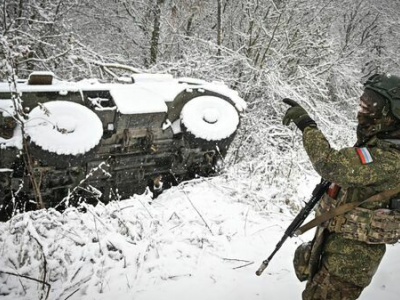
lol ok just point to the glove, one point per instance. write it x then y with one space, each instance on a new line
297 115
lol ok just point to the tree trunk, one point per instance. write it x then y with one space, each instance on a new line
219 26
155 35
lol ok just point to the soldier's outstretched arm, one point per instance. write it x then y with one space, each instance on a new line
353 166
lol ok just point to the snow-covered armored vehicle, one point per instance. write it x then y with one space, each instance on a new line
111 139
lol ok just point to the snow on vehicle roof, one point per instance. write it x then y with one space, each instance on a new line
38 73
153 87
170 89
134 99
149 93
151 77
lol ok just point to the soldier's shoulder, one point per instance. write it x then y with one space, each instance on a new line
371 155
387 151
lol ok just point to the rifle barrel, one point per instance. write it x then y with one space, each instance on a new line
265 263
317 193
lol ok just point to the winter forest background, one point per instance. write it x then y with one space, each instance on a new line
317 52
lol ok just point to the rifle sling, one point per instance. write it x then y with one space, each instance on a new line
380 197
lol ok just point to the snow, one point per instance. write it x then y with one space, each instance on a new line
41 73
15 141
220 87
167 90
134 99
176 126
193 241
7 109
210 118
149 94
151 77
144 96
200 240
192 80
64 127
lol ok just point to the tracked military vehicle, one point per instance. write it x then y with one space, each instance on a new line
111 140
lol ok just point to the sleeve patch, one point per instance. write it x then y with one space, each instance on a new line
365 155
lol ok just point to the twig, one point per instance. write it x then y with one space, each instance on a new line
75 274
76 285
248 264
190 201
177 276
21 116
15 267
88 208
70 295
90 174
144 207
127 280
97 232
44 260
125 207
245 221
30 278
107 66
235 259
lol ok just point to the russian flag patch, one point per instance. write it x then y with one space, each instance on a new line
365 155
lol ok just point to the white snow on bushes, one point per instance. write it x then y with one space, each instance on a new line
210 118
64 127
201 240
193 242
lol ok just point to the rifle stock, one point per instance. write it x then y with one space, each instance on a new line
317 193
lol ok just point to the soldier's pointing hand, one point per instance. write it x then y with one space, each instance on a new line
297 115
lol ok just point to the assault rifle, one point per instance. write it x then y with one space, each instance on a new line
317 193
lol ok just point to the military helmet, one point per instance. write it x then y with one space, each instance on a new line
388 86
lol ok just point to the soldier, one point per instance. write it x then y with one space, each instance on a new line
348 248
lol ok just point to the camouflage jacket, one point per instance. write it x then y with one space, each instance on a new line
360 171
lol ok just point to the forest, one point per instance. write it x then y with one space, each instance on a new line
317 52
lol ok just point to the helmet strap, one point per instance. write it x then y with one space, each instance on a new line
385 109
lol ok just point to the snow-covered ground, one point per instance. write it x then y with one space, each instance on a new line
202 240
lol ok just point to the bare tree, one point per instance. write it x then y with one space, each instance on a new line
21 118
312 50
36 31
155 35
219 25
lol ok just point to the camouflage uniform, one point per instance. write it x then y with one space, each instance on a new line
348 262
